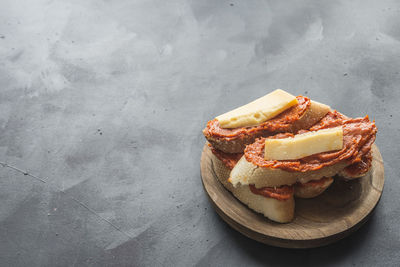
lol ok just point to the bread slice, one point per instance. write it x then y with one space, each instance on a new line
277 210
315 112
357 169
350 176
358 136
310 190
246 173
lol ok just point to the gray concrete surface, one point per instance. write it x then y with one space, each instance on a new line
102 104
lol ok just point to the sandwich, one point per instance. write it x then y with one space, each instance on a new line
276 112
300 165
276 202
287 160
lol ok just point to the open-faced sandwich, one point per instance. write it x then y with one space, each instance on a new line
277 112
298 159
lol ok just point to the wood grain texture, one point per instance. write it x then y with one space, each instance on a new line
339 211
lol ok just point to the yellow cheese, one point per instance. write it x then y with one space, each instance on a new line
258 111
303 145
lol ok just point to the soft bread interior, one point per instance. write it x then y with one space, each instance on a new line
313 114
276 210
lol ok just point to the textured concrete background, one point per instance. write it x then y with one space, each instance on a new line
102 104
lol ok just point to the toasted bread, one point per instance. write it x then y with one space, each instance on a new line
357 169
310 190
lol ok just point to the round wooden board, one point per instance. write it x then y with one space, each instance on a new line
336 213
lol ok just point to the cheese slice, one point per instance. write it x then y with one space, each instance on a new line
303 145
258 111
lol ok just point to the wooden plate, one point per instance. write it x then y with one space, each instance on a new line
339 211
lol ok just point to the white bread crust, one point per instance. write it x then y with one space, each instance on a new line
275 210
246 173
